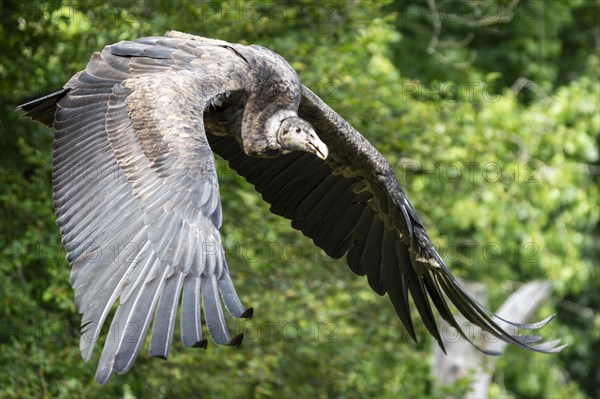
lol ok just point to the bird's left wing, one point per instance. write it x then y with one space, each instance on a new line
352 204
136 194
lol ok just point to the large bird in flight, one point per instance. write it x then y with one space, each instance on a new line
137 200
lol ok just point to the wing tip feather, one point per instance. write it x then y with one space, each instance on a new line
248 313
236 341
203 344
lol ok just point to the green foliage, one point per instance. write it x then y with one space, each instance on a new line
506 183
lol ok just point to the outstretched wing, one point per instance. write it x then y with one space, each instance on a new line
136 194
352 204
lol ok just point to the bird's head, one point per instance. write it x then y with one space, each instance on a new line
281 132
296 134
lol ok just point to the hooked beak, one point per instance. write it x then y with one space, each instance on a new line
317 147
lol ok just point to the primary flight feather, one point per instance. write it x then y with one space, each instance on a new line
133 169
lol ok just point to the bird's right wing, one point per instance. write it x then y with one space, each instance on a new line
136 194
352 204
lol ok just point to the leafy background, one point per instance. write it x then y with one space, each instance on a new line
487 110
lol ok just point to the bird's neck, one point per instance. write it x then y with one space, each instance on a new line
262 116
273 89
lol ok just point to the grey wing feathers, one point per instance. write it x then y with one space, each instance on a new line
164 320
353 205
136 196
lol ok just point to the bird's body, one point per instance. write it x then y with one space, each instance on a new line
154 111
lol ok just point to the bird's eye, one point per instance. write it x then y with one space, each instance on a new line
298 130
